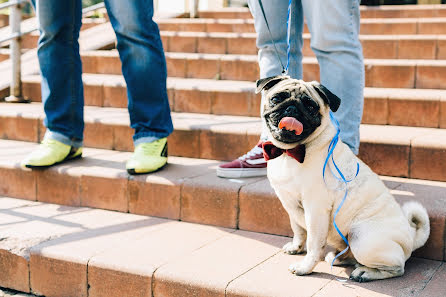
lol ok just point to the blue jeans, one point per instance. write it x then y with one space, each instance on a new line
334 28
143 66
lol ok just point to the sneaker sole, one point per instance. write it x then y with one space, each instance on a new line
239 173
133 172
47 166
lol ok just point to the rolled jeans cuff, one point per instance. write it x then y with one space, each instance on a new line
62 138
145 139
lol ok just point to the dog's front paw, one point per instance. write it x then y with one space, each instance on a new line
299 268
292 248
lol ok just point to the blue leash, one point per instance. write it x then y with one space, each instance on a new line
340 178
288 23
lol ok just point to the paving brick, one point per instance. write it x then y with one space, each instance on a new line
203 68
31 89
240 68
233 103
28 225
177 140
428 156
196 274
209 199
387 155
106 189
430 75
392 75
176 67
442 112
183 43
441 48
261 210
431 196
19 128
376 111
261 282
115 93
426 26
59 267
242 45
212 45
129 270
159 194
193 101
54 187
419 48
418 273
436 284
98 135
379 49
414 113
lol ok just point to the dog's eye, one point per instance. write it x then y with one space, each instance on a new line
309 104
275 100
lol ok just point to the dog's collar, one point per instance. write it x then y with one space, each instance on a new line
270 151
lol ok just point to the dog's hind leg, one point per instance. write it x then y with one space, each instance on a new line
378 253
365 274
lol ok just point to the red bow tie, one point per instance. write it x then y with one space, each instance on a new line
270 151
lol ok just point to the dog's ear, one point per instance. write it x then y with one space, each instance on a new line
331 99
269 82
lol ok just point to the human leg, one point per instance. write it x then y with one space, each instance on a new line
335 41
62 89
144 69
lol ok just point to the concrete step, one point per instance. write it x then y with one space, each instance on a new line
398 107
375 26
390 150
374 46
385 11
380 73
66 251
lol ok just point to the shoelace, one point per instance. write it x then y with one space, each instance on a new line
46 143
255 151
151 148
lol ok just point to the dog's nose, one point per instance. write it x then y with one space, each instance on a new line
291 109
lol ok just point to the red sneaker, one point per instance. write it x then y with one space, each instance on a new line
248 165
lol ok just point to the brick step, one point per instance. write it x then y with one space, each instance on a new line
30 40
374 46
374 26
398 107
381 73
389 150
79 252
385 11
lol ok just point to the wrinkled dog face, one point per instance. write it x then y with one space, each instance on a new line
294 109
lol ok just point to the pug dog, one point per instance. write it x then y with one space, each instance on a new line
381 234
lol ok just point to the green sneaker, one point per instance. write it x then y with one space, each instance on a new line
51 152
148 157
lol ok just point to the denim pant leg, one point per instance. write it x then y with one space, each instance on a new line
335 41
61 69
144 68
276 14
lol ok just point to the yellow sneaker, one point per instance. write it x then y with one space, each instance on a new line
51 152
148 157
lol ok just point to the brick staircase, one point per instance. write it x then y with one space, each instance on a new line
87 228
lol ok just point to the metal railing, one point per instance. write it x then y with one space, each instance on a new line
15 20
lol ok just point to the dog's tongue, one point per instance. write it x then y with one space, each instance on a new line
291 124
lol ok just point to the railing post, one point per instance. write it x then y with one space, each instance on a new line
15 19
193 8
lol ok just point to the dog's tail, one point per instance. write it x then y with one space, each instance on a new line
418 219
